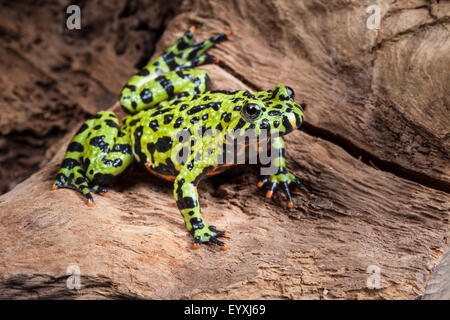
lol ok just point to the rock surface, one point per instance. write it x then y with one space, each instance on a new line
373 157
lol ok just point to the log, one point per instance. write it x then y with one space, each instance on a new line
370 221
52 78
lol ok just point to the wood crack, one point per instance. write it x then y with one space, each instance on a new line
231 71
443 21
374 161
356 152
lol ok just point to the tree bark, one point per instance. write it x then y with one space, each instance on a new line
369 222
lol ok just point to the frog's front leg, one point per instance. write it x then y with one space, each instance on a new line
282 176
186 196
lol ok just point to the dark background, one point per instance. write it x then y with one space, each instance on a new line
51 78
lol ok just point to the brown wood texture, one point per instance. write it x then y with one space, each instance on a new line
373 158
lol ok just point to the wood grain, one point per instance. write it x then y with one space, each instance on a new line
373 158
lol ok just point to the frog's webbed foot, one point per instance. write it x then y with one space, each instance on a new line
80 185
208 234
186 195
187 53
286 180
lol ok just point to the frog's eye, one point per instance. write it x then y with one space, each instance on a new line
251 111
290 92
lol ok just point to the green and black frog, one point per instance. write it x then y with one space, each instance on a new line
182 132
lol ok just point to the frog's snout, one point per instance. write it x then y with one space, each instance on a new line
292 120
292 117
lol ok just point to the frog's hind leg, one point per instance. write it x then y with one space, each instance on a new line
159 81
98 153
187 53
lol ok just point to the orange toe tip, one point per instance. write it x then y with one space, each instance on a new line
90 204
195 246
224 248
217 61
269 194
192 29
290 204
228 33
106 194
226 236
260 184
54 187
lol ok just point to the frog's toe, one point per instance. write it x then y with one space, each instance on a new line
271 189
188 37
90 199
271 186
60 182
220 37
218 232
59 185
286 181
189 53
263 182
295 184
209 234
100 190
213 240
219 243
285 185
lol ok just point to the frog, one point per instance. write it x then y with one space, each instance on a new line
170 110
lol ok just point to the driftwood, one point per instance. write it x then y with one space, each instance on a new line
370 221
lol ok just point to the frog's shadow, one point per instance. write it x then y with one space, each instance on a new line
138 174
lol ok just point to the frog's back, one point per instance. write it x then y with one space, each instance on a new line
163 137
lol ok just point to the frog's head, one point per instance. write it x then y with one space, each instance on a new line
273 111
